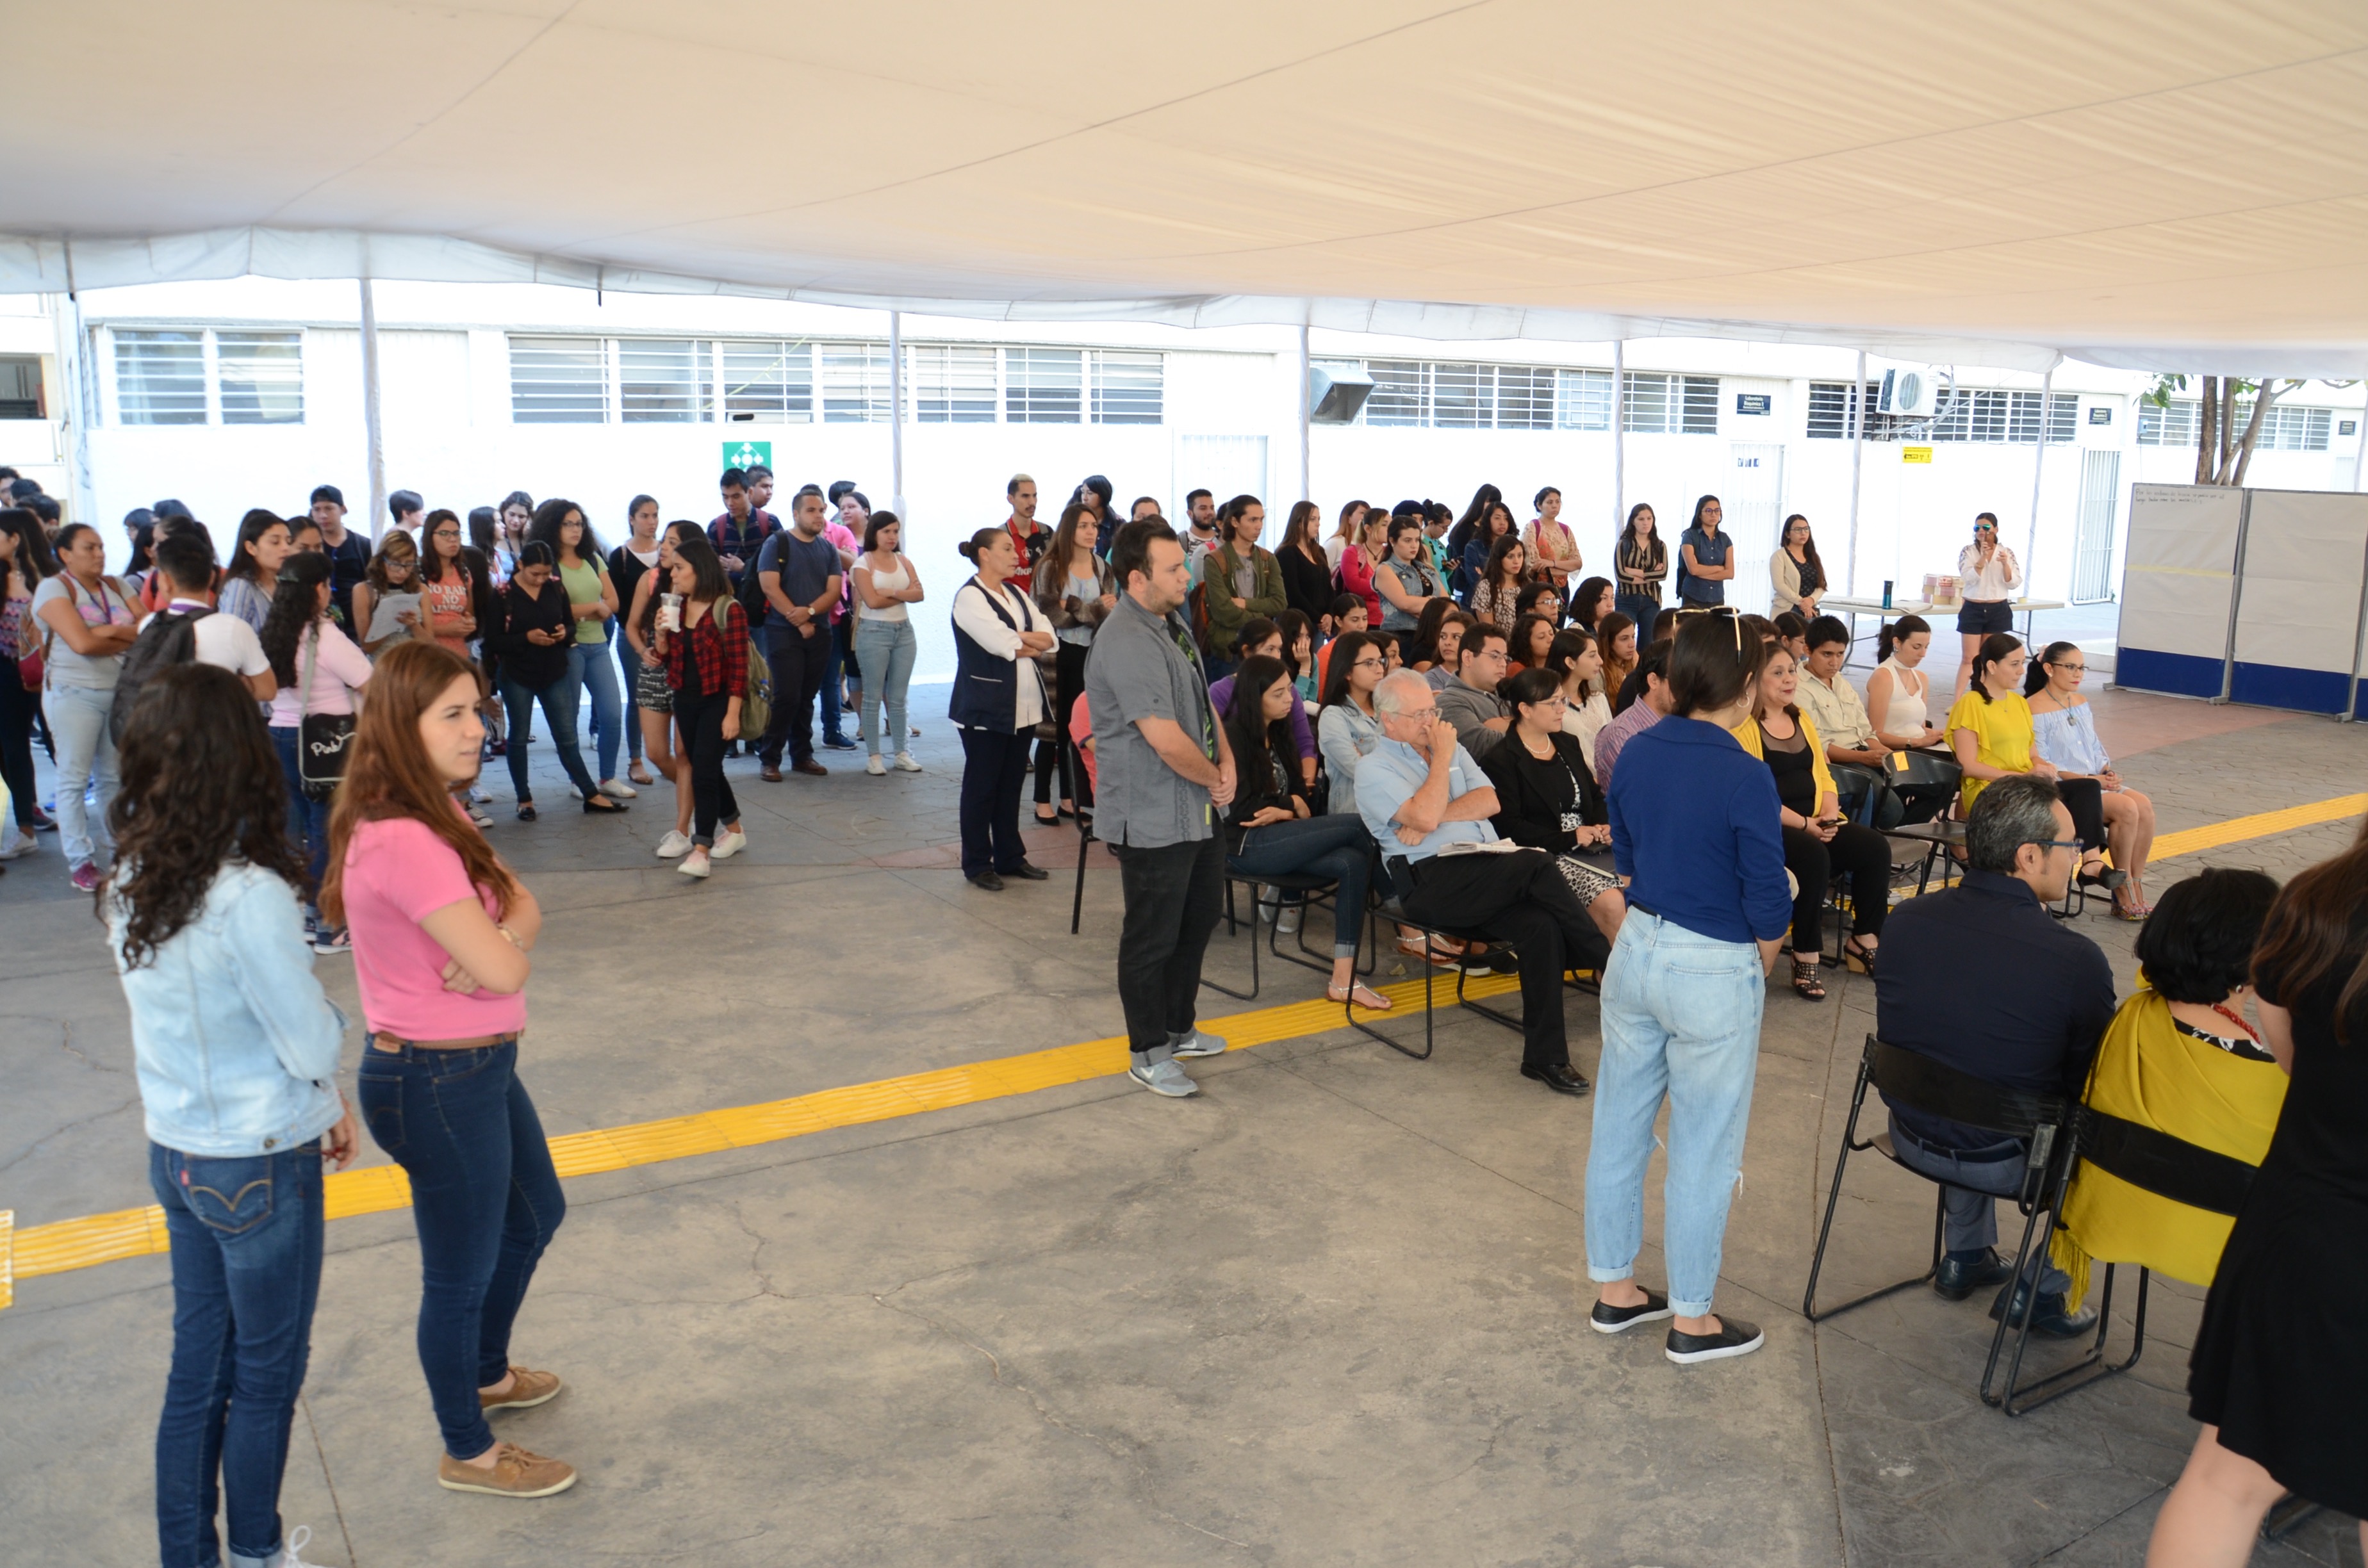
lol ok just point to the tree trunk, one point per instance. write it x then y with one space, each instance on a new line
2207 423
2253 428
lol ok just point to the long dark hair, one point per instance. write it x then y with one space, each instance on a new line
1345 648
1458 536
1426 629
1294 625
1568 644
1493 572
1699 504
681 528
709 582
1256 737
550 517
1891 636
484 529
1054 567
1808 545
431 560
1582 607
32 546
251 527
1306 517
201 785
295 605
2312 935
1525 632
2035 678
1995 646
1630 538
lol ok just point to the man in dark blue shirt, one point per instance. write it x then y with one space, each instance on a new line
1982 978
800 570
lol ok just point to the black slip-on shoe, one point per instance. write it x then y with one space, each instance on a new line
2050 1320
1565 1080
988 881
1607 1319
1960 1278
1734 1337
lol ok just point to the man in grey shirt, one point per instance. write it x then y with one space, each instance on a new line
1469 701
1164 773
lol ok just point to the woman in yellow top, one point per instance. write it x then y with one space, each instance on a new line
1991 730
2179 1058
1818 844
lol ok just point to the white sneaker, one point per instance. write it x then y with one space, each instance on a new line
1165 1078
1287 922
480 795
480 818
694 864
618 789
674 845
18 850
574 793
904 763
729 843
877 768
292 1550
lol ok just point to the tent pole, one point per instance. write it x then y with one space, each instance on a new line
2359 458
2038 466
1306 415
369 411
896 409
1858 453
78 389
1619 443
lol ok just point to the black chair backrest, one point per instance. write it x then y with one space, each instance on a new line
1921 1084
2153 1161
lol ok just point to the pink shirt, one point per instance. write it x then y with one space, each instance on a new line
398 873
337 669
840 534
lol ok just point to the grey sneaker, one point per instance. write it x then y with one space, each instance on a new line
1165 1078
1287 922
1199 1042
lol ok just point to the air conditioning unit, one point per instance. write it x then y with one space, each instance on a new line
1909 394
1334 395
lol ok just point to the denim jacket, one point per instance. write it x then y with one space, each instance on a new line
234 1043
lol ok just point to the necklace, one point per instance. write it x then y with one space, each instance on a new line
2239 1020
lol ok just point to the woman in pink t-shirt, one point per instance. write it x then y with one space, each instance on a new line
441 933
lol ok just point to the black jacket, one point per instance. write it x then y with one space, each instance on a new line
532 666
1533 795
1306 585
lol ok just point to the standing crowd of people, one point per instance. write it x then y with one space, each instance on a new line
286 750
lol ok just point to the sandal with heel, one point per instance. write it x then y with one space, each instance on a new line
1858 959
1805 981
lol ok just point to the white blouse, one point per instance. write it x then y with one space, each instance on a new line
1996 581
987 629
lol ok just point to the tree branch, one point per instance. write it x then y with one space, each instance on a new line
2261 401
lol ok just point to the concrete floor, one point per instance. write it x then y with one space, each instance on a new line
1329 1312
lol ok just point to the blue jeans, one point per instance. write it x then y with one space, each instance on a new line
308 819
594 674
1970 1184
884 651
1680 1013
485 1200
77 719
1641 610
246 1271
629 666
559 717
1337 846
834 670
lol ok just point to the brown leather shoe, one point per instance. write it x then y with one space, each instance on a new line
516 1473
771 773
810 767
528 1389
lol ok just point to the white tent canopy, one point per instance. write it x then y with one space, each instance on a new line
2150 184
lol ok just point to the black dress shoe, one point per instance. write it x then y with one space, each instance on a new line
1561 1080
988 881
1028 871
1959 1278
2050 1320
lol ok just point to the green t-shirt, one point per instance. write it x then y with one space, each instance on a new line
583 585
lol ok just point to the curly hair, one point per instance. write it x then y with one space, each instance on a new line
295 605
202 786
389 774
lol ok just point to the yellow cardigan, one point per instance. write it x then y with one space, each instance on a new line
1748 734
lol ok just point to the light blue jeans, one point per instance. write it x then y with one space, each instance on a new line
884 649
77 718
1681 1016
592 671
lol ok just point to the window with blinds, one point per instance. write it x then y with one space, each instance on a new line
854 383
1446 395
1668 405
769 384
1043 386
664 380
951 384
1128 389
2172 425
1401 394
261 375
1525 397
559 381
160 378
1966 413
1582 400
2286 428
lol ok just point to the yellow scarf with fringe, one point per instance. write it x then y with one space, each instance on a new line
2149 1071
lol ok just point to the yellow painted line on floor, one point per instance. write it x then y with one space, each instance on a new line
93 1239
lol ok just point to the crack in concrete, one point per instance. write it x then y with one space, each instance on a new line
1118 1448
62 1129
71 1049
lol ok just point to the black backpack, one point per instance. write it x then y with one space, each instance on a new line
170 638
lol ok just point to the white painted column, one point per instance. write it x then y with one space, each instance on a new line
1619 437
1858 455
2359 458
1306 415
78 389
2038 467
896 416
371 436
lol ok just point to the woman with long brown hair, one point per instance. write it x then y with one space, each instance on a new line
1346 535
1075 589
1306 572
1496 599
445 578
653 697
2278 1376
442 931
1615 639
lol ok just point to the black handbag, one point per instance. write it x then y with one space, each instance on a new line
323 740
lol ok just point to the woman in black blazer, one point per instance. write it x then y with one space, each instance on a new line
1547 798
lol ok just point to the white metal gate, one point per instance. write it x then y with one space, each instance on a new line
2092 543
1752 498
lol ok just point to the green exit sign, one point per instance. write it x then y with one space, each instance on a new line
747 454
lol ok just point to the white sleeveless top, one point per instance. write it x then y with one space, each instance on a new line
887 583
1908 714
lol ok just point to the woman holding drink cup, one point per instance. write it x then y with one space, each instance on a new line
701 635
653 697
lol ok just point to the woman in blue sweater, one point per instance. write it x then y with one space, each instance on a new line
1693 827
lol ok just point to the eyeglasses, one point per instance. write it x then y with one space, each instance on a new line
445 533
2076 669
1370 661
2071 844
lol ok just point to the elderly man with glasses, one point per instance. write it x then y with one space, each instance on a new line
1426 805
1983 979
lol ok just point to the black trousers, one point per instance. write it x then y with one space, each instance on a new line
797 662
699 722
1861 854
1520 899
17 709
2085 798
1173 896
1070 681
994 763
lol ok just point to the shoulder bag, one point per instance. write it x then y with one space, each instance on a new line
323 740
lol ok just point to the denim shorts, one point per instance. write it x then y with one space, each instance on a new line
1979 618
